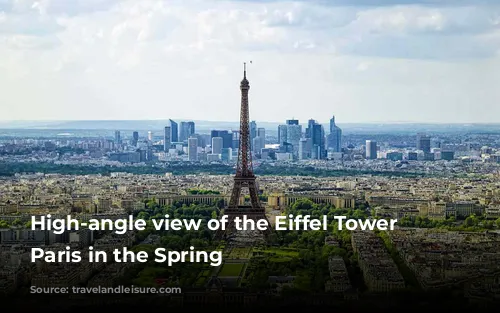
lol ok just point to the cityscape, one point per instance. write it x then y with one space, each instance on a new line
289 143
381 113
443 189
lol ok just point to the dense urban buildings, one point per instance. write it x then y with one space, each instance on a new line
464 249
444 190
291 142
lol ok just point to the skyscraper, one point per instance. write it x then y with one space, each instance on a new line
289 135
167 142
305 147
118 139
259 142
236 139
335 137
316 132
294 133
174 131
282 134
135 138
309 129
253 130
217 145
371 150
261 134
150 135
257 145
424 143
226 154
193 149
187 130
227 138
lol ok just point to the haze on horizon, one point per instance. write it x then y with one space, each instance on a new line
431 61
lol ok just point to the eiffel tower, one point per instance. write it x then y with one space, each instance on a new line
244 177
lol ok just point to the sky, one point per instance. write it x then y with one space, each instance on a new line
364 61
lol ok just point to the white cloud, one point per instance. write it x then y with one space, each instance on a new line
182 59
400 20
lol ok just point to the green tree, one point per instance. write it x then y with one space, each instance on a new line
471 221
17 222
4 224
151 204
497 222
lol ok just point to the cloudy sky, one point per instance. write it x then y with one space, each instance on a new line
396 61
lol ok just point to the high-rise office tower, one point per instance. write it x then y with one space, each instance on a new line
236 139
191 127
203 139
424 143
167 141
217 145
412 156
282 134
186 131
183 130
305 147
335 137
261 133
294 133
192 149
150 135
259 142
309 129
227 138
253 130
118 139
174 131
257 145
316 132
135 138
226 154
371 150
289 135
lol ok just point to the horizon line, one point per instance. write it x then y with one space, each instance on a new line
235 121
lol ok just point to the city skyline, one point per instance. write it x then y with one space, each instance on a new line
156 127
396 61
363 170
